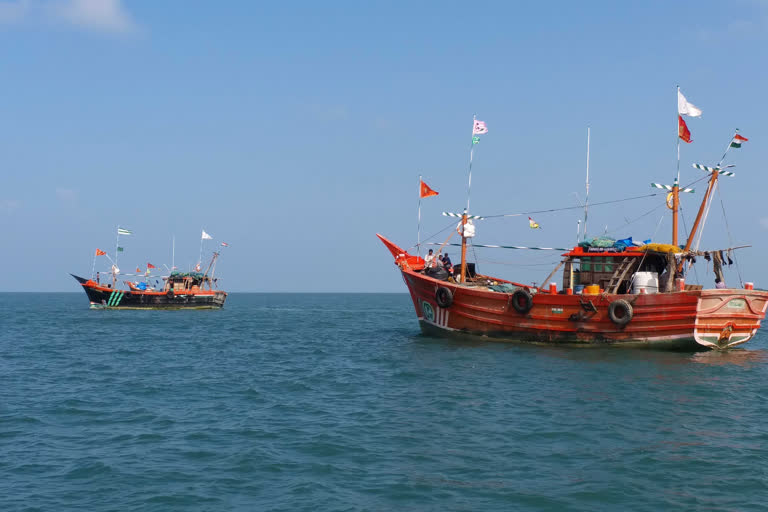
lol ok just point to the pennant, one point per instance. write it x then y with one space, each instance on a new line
206 236
149 265
738 140
533 224
119 249
138 270
99 252
121 231
425 191
686 109
479 128
197 267
682 130
475 140
224 244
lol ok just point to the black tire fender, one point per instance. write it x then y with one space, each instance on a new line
620 312
522 301
443 297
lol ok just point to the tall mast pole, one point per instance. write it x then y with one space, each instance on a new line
586 201
710 189
675 186
464 216
200 259
117 243
418 235
173 252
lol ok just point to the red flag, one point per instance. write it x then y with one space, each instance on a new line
149 265
425 191
682 130
138 270
99 252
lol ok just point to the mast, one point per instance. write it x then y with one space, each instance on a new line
418 234
463 248
586 201
675 187
710 189
464 216
173 252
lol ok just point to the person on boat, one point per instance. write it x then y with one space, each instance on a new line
447 263
97 278
719 284
429 259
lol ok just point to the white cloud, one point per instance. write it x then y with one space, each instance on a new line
101 15
98 15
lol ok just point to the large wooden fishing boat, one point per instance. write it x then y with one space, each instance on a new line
614 311
621 294
179 290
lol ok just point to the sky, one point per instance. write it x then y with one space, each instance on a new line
296 131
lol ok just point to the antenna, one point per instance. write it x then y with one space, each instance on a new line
586 200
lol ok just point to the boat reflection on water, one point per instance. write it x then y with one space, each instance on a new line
731 357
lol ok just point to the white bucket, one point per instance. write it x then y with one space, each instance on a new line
648 282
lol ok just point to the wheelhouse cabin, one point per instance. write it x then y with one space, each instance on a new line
621 271
188 282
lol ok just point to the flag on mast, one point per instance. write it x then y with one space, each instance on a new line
479 128
738 140
533 224
425 190
99 252
224 244
206 236
149 265
682 130
121 231
686 109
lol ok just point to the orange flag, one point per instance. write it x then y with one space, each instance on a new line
682 130
138 270
425 191
99 252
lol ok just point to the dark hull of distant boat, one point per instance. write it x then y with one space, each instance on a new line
103 297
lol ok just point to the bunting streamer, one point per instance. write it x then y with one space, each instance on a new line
718 170
460 215
510 247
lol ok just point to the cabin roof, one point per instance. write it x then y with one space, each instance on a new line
581 252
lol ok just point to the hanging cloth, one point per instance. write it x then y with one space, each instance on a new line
717 262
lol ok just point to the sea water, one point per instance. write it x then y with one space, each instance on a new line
337 402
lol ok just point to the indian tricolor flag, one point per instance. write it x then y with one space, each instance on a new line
738 140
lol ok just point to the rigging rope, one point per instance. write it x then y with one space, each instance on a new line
730 238
531 212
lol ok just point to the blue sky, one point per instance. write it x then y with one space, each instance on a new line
295 131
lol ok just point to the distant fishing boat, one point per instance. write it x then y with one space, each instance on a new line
180 290
610 293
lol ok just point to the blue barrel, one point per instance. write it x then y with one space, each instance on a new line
578 289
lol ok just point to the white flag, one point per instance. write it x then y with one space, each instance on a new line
206 236
686 109
479 128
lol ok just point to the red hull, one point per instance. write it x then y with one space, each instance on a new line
710 318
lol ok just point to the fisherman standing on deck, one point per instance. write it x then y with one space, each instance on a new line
429 259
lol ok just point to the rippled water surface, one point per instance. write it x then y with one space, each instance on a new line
337 402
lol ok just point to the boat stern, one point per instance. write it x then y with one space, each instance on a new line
727 318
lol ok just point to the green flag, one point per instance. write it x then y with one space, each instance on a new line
475 140
119 249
